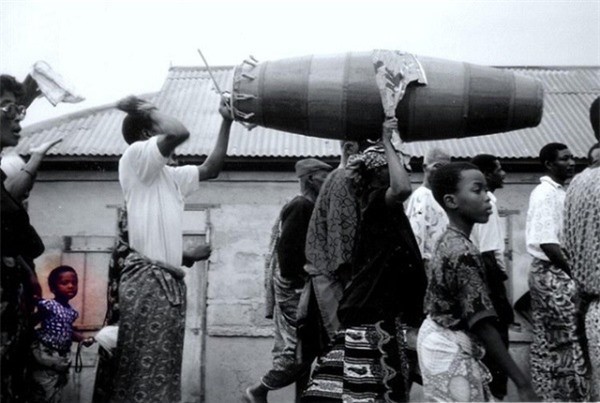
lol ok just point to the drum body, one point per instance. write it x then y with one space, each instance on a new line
336 96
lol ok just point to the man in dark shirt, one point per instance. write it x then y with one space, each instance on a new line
289 280
295 217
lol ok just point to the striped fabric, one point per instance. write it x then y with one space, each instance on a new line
365 364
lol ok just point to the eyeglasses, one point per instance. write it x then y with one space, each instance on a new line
14 111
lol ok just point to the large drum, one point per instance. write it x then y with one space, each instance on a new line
336 96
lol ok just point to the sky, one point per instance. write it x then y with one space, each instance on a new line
110 49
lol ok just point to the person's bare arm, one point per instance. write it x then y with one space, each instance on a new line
214 162
556 256
196 254
77 336
172 132
400 187
486 331
20 185
80 338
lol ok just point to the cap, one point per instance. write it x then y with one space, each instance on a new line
310 165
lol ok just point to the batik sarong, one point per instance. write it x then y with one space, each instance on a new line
558 367
592 331
451 366
151 330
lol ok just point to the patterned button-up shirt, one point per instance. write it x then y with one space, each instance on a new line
457 292
427 219
544 216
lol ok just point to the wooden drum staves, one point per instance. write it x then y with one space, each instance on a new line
336 96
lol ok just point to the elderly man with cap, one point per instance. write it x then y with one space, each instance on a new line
289 281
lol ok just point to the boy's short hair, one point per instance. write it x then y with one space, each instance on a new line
10 84
446 178
485 162
549 152
56 272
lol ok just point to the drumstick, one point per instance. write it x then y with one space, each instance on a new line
210 73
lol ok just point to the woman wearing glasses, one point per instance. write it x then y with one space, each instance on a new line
20 242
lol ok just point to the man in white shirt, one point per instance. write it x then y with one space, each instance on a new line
151 289
427 218
489 239
558 368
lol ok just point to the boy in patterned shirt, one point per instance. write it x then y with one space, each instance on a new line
51 348
459 326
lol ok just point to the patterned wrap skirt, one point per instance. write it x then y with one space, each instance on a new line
151 330
592 330
558 367
451 366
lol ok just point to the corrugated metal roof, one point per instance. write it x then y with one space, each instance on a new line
188 94
92 132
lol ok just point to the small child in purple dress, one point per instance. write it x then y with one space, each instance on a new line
51 348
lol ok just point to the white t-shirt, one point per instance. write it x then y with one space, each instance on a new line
544 216
155 194
427 219
490 236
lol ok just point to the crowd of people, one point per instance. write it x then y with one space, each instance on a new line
405 286
372 287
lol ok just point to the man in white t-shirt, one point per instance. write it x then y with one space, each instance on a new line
489 239
428 219
558 367
151 288
154 192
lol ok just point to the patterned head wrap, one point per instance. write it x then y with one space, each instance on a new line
373 157
359 164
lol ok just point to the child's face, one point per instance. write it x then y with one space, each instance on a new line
66 285
471 197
